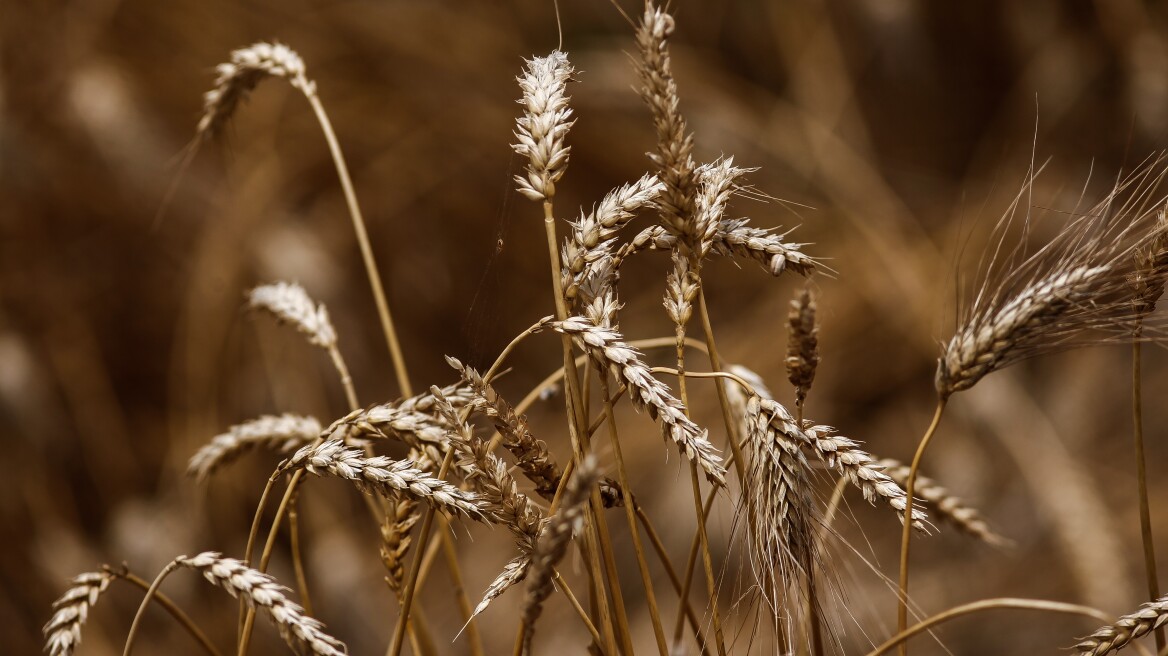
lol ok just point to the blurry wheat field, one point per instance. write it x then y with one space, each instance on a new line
894 132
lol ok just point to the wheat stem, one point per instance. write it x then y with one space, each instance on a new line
630 515
175 612
663 556
906 533
986 604
170 567
297 559
1142 482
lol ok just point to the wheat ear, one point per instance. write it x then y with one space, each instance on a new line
943 504
283 434
382 476
1148 618
608 349
71 610
237 78
802 345
263 592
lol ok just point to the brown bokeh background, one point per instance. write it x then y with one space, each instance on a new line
895 131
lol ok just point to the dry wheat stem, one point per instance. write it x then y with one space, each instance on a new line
263 592
609 350
1119 634
282 434
553 544
978 606
944 505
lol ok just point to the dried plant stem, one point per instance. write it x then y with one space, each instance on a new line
630 515
266 555
594 536
175 612
663 556
410 585
695 483
387 326
987 604
297 559
346 379
906 534
472 629
170 567
1142 482
575 604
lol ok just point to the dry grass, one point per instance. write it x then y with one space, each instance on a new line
502 479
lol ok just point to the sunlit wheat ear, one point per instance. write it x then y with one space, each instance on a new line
382 476
282 434
289 303
413 421
674 156
262 592
71 610
546 119
802 344
943 505
841 454
236 78
716 184
606 346
531 454
553 544
593 237
734 238
1074 290
776 478
1148 618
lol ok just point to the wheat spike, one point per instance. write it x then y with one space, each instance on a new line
541 131
263 592
238 77
943 504
282 434
802 344
1148 618
608 349
71 610
288 302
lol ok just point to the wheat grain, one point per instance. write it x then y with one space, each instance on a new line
282 434
1148 618
553 544
383 476
607 348
262 591
71 610
541 131
238 77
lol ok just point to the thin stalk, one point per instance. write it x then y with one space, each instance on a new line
175 612
812 607
387 327
1142 482
297 559
346 379
593 532
170 567
630 515
663 556
266 555
472 629
575 603
252 534
906 534
988 604
415 565
695 483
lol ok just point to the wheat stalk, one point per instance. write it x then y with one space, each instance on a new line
553 544
282 434
262 591
1148 618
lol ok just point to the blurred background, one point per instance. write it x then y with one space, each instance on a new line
895 131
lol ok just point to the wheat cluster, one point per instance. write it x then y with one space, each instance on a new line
466 457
